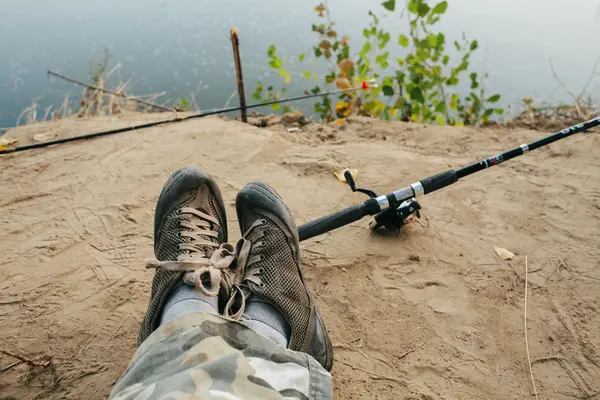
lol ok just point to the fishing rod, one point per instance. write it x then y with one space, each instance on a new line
395 209
364 86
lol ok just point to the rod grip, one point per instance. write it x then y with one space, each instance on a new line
439 181
331 222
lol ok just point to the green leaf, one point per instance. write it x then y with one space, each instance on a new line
440 120
283 73
382 60
363 69
346 52
499 111
365 49
416 94
275 63
389 5
454 102
432 41
445 60
366 33
315 90
474 45
330 78
452 81
413 6
440 107
403 40
474 83
440 8
441 39
457 45
423 9
286 109
256 96
275 106
306 74
384 39
487 113
271 50
318 52
494 99
301 57
387 91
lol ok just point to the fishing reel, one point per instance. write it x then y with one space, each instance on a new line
392 218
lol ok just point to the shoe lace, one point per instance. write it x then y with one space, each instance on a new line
246 271
204 272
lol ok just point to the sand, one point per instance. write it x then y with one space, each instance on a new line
431 313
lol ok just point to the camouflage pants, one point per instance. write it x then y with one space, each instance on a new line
205 356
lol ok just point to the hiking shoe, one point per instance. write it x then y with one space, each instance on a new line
190 229
268 265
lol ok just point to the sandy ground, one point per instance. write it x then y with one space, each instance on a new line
431 314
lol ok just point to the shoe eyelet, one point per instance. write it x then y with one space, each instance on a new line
178 247
178 234
179 211
263 221
262 257
262 285
261 270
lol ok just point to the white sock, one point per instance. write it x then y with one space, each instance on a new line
266 320
185 300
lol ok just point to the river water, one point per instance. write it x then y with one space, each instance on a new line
183 47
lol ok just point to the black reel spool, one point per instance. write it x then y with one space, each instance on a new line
392 218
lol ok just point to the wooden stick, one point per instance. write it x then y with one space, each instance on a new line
147 103
235 41
525 328
373 375
26 360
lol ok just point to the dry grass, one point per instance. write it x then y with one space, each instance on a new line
97 98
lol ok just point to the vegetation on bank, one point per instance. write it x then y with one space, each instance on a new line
421 86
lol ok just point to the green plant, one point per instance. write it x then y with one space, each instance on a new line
270 94
420 86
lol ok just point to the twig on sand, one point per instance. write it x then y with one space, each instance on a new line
525 327
48 388
373 375
350 346
9 366
413 347
26 360
118 93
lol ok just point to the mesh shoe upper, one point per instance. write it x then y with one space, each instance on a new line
189 225
269 265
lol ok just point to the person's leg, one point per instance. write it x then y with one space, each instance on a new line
185 348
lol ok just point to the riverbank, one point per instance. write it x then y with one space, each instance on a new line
432 313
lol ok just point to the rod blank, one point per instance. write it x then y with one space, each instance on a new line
430 184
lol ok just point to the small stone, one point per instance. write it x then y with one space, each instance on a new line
344 269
